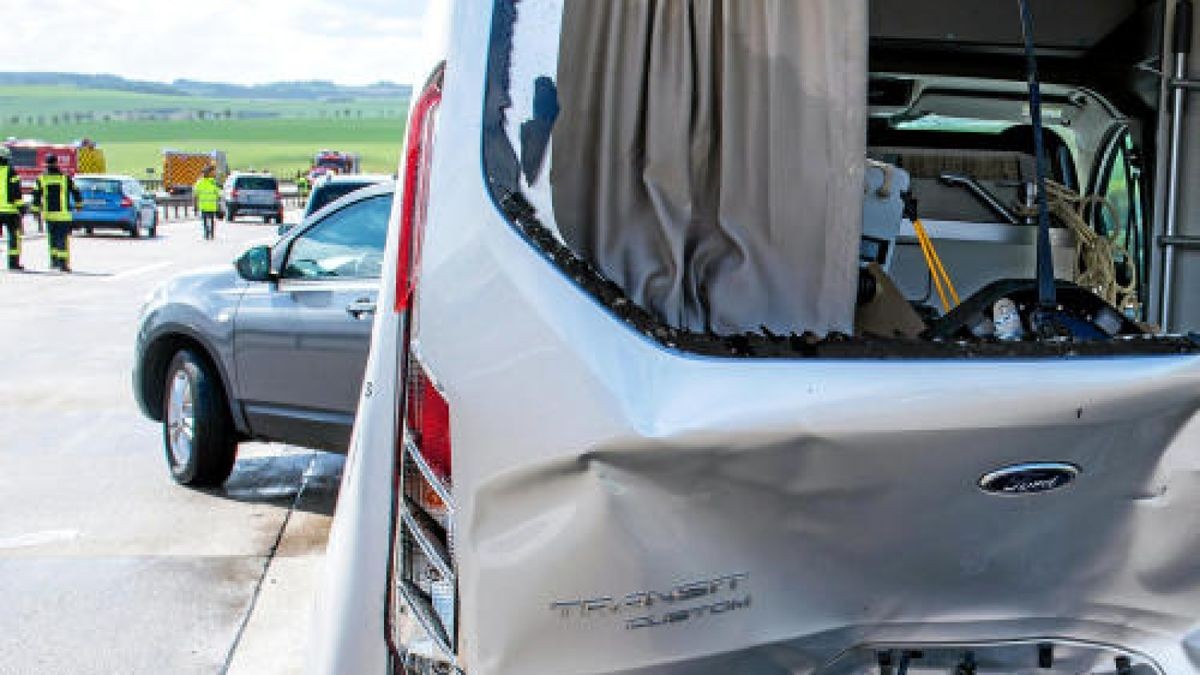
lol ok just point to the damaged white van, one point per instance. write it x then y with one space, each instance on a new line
767 337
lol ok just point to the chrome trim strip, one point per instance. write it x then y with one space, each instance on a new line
423 610
411 450
433 550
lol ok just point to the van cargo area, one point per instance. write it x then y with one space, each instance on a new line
743 230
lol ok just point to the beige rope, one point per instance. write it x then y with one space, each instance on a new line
1096 253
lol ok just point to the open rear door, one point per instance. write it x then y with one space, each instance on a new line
1176 260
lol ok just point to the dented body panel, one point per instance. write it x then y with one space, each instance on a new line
622 507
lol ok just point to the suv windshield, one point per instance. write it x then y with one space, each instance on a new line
256 183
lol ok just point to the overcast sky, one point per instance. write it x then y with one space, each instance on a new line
241 41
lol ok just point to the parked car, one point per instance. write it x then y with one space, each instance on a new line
252 194
332 187
553 473
112 201
272 348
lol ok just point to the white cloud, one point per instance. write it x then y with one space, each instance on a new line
243 41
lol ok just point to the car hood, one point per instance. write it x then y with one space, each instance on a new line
205 279
207 290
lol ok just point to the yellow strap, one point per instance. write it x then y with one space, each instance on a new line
941 279
937 282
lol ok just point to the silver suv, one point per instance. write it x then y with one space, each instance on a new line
252 194
270 348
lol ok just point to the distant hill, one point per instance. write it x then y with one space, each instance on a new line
314 89
288 91
108 82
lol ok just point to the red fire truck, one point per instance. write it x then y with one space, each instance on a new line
29 159
335 161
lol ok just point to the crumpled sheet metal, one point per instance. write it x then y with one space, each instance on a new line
823 520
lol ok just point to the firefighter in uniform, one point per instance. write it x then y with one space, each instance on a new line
208 198
54 194
12 208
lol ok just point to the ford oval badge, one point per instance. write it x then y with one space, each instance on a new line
1026 479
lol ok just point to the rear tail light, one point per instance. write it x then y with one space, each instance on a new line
233 194
423 577
418 156
126 202
423 568
427 416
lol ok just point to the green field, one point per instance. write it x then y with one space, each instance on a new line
57 100
282 143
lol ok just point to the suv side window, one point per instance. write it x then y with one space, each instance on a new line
346 244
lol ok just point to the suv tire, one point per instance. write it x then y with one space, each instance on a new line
135 228
198 433
230 214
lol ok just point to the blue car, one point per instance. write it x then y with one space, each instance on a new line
115 202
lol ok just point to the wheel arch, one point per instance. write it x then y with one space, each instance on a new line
157 358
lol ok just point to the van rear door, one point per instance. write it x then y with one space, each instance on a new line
1176 260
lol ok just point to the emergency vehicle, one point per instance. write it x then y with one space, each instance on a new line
182 169
335 161
90 157
29 159
784 338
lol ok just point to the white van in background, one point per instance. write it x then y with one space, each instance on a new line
642 399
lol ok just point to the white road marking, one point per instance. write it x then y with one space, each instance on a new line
137 271
38 538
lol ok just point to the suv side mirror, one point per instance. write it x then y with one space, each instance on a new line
255 264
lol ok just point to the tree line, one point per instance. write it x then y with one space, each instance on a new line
177 115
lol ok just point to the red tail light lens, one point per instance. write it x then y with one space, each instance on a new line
418 156
233 194
126 202
428 418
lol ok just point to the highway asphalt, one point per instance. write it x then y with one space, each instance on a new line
106 566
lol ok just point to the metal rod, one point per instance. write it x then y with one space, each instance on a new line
1045 261
1182 49
1183 83
1180 241
981 193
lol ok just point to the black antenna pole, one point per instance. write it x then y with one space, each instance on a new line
1045 262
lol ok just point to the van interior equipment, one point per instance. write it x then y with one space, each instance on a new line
720 239
1045 265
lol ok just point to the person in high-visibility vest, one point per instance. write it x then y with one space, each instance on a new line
208 199
302 185
12 208
56 196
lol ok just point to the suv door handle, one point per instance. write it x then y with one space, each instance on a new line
361 308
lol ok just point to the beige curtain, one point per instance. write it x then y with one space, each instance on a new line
709 156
